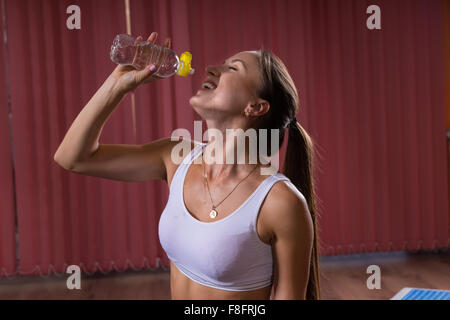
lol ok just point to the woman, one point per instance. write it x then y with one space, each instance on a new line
230 231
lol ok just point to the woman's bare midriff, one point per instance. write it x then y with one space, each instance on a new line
183 288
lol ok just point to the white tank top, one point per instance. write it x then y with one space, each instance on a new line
225 254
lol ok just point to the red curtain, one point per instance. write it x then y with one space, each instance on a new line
65 218
373 101
446 22
7 224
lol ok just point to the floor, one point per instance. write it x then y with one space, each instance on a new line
342 277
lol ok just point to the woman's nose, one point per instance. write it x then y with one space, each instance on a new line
212 70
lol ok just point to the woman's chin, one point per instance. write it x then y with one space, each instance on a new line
192 100
195 101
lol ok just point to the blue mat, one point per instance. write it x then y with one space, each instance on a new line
421 294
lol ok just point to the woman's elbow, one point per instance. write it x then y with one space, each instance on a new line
62 162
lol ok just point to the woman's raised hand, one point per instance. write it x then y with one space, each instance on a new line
128 78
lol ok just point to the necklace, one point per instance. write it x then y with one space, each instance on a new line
213 213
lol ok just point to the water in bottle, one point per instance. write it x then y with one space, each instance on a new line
127 50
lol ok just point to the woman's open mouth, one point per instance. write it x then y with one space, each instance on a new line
208 85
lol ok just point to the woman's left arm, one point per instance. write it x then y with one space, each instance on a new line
292 242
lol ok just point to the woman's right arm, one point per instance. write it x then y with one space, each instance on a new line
80 150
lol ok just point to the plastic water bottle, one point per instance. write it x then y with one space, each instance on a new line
126 50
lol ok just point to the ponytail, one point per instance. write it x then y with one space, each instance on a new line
278 88
298 167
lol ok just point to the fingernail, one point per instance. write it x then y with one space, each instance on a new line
152 68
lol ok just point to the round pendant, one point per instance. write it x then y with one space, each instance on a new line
213 214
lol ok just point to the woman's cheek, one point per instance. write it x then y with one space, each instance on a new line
232 99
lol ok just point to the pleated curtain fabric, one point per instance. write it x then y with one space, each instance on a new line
372 100
446 31
7 224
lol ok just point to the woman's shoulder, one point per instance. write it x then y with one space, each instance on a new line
283 204
181 146
178 149
284 192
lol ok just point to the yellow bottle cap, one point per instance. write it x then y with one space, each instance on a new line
185 65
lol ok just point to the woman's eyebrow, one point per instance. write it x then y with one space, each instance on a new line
241 61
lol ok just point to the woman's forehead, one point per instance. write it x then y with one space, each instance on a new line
250 57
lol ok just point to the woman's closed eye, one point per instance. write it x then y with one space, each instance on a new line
233 68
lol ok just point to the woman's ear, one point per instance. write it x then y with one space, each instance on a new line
257 109
261 108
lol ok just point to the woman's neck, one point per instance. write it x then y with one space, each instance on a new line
232 157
